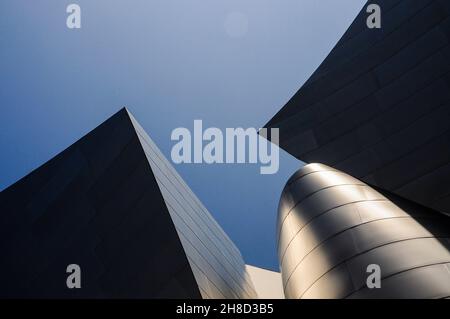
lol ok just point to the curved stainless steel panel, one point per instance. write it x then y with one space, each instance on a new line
331 226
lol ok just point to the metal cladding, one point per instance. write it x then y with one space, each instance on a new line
112 204
378 107
331 226
215 261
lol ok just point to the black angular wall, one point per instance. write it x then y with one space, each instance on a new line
98 204
378 107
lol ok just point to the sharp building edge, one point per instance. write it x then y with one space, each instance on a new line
113 205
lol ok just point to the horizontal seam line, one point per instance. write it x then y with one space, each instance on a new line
313 193
328 239
342 231
364 252
400 272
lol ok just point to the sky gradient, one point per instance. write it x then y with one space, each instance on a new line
229 63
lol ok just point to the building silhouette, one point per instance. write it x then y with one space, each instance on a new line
112 204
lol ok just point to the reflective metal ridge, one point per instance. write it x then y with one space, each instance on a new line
331 226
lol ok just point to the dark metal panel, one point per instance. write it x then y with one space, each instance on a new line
98 205
378 101
410 56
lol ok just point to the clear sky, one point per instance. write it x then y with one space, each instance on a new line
229 63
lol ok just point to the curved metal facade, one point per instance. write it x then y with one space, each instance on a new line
331 226
378 107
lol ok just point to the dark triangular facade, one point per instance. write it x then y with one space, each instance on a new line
99 205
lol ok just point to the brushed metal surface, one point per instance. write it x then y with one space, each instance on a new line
331 226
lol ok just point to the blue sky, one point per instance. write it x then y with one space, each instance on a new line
230 63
